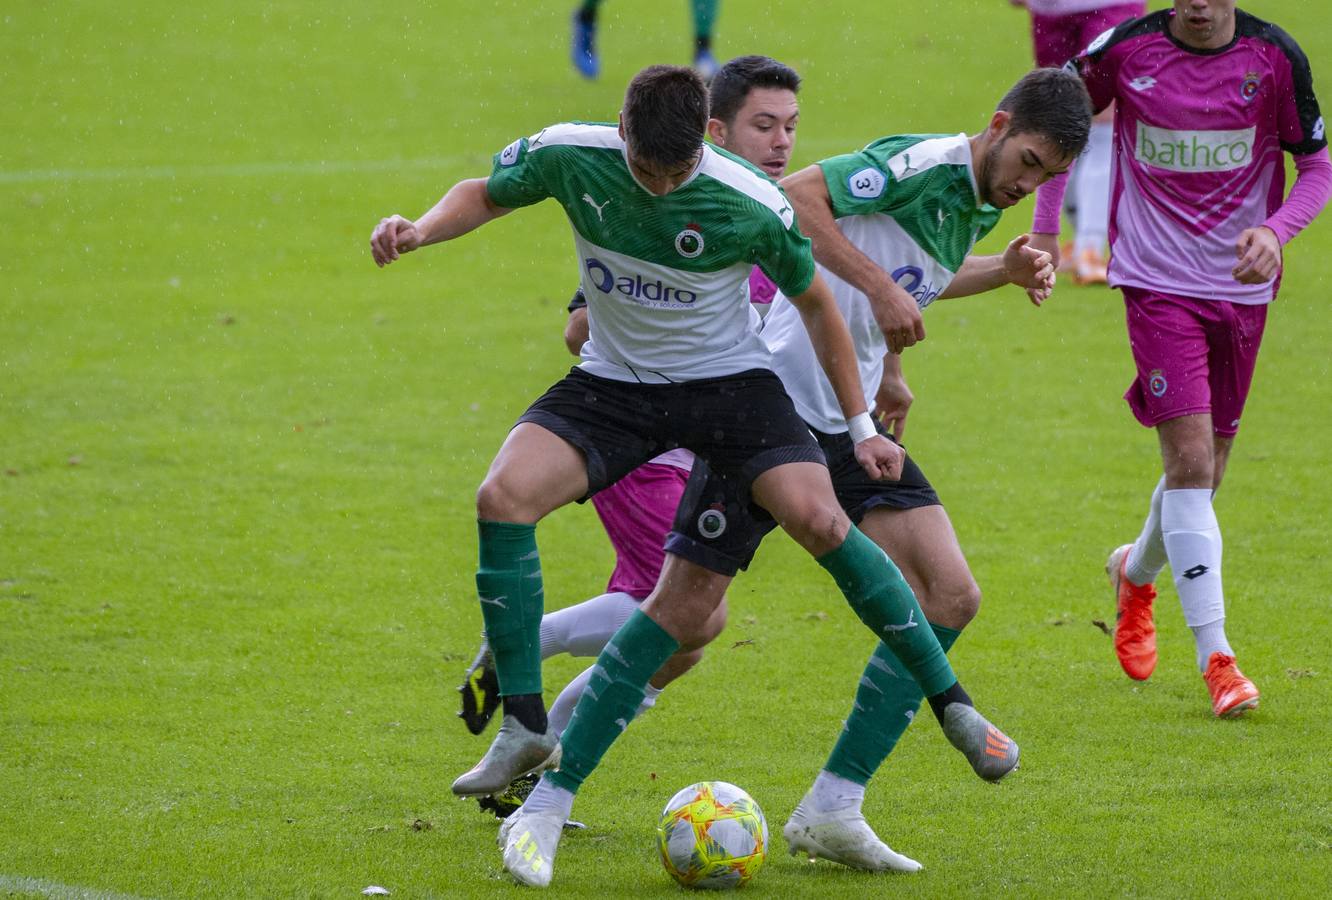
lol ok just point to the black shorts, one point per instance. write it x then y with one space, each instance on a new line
741 425
717 529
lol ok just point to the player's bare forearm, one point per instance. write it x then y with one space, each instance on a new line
894 309
832 345
466 207
977 275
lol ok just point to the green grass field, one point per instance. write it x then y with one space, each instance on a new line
237 465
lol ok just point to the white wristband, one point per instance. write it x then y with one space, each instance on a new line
861 427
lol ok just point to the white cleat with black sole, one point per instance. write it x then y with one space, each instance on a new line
515 752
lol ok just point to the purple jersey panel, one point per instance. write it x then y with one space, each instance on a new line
637 512
1058 36
1199 137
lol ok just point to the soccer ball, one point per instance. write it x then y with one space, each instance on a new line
712 835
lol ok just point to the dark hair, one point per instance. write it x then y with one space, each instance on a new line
665 114
733 82
1052 103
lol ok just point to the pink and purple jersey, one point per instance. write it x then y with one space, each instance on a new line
1199 136
761 288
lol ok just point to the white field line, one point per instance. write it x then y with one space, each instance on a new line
57 891
237 170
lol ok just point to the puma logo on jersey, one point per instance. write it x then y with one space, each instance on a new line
587 198
907 167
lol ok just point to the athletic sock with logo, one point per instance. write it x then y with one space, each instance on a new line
880 596
508 583
561 711
1193 544
886 703
613 695
1148 556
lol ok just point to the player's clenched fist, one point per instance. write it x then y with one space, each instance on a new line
392 237
880 458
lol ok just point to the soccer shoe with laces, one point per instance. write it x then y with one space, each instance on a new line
1135 632
842 837
1232 693
480 691
515 752
992 753
529 841
507 801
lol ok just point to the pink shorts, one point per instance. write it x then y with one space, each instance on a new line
1193 356
1057 39
637 512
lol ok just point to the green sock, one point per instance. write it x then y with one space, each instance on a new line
886 703
883 600
612 696
705 18
509 585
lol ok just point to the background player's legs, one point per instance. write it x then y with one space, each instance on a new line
1092 222
534 473
705 20
583 45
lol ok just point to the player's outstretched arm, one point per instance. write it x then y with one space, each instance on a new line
880 457
466 207
1020 264
895 311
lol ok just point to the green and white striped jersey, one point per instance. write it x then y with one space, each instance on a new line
666 278
908 202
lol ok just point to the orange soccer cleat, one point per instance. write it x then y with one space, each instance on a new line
1091 267
1232 693
1135 632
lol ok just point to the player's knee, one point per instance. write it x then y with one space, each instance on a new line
498 501
961 602
817 526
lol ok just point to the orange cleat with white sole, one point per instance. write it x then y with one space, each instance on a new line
1091 268
1232 693
1135 632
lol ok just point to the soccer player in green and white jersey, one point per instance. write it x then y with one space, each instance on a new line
667 230
892 227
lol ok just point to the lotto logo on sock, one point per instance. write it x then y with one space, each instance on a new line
1196 572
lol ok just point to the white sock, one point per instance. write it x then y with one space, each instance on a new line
1210 638
1092 174
562 710
833 793
1148 556
549 798
584 628
1193 544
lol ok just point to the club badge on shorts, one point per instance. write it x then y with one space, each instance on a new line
1156 383
711 523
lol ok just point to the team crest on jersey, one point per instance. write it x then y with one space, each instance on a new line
711 523
509 155
1249 86
689 243
1156 383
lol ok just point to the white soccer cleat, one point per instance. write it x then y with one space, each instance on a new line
843 837
515 752
529 841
